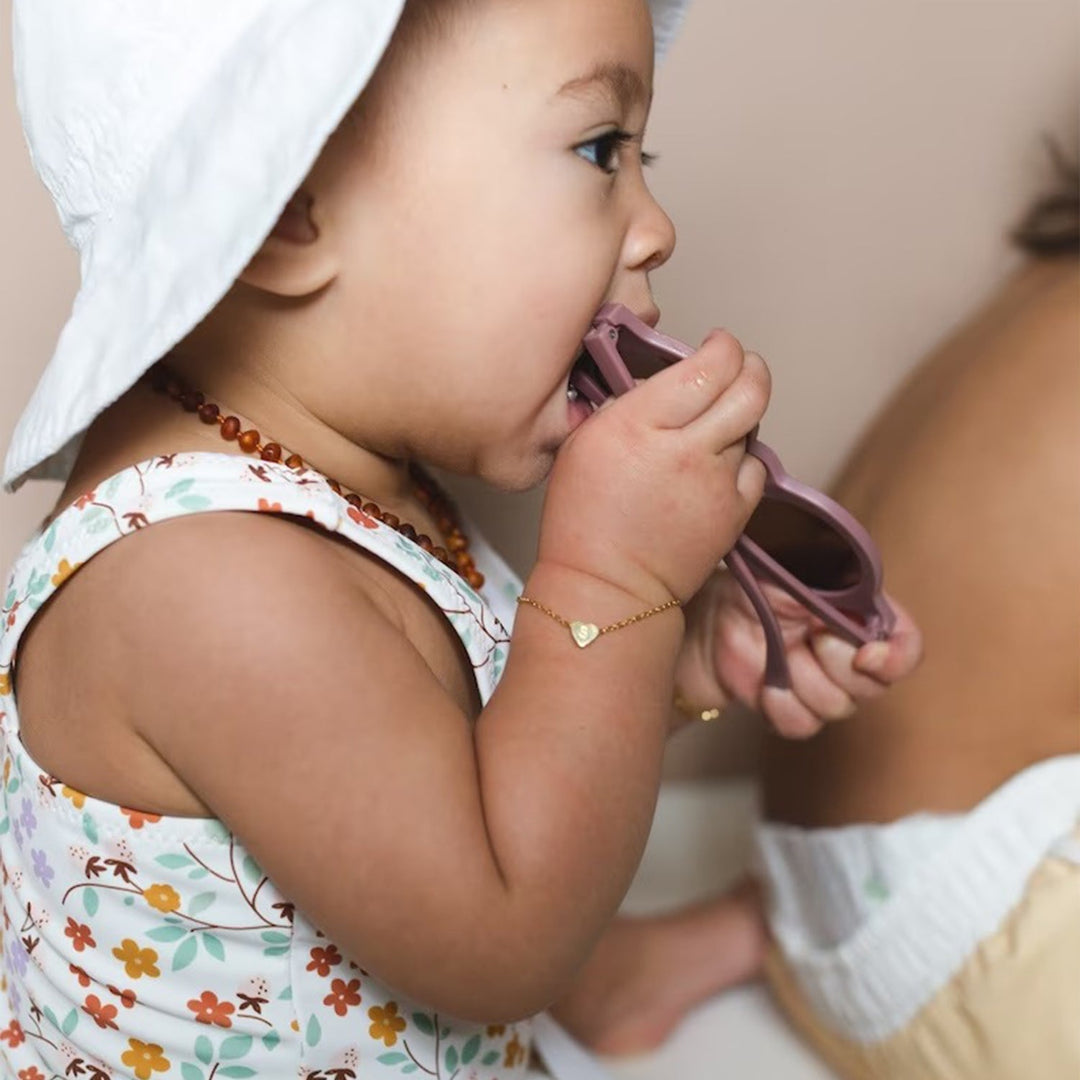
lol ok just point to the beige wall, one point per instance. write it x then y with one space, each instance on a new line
842 173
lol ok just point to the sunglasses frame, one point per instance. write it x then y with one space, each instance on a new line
859 613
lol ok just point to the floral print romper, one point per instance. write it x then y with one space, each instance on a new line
155 947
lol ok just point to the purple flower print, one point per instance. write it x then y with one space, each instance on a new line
16 833
29 822
18 957
41 867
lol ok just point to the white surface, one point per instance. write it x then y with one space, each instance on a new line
699 844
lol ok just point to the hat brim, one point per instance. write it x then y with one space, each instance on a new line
130 312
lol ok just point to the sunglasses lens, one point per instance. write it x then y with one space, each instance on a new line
809 548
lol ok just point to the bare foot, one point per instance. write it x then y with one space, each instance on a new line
647 973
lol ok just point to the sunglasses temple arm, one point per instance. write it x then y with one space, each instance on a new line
776 669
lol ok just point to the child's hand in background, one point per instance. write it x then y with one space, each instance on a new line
723 659
651 491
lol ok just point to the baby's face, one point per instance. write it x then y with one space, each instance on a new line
495 212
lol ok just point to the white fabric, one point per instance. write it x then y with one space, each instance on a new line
874 920
170 136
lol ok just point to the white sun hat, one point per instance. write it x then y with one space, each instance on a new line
171 134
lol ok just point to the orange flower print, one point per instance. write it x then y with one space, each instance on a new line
145 1058
104 1015
322 960
269 507
83 501
495 1030
80 935
163 897
515 1053
137 962
63 572
385 1023
362 519
84 979
127 997
343 995
14 1035
33 1073
138 818
209 1010
78 799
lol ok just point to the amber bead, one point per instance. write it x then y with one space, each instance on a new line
392 520
455 541
441 554
474 578
191 400
271 452
230 428
249 441
209 413
425 542
354 500
408 531
371 509
294 461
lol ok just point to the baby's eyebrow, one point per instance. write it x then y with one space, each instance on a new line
619 80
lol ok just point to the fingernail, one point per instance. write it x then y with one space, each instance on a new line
836 648
871 658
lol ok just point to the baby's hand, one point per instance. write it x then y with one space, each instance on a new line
652 490
723 658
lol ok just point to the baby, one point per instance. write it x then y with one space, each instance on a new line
288 788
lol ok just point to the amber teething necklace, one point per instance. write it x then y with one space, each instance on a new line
456 553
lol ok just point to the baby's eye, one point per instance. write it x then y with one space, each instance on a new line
603 151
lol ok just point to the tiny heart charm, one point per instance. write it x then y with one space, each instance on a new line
583 633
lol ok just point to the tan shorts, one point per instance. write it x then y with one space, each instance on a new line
1012 1012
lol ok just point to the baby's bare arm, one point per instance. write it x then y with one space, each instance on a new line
471 869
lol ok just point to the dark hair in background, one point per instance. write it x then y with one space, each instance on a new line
1052 224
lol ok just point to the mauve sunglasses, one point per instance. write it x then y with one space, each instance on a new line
798 538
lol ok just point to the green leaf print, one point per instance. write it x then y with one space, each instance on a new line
72 1018
197 502
198 872
470 1050
490 1057
271 1039
99 523
50 537
90 901
235 1070
191 1072
391 1059
37 584
179 488
204 1049
185 954
89 828
13 784
213 946
451 1058
314 1031
276 950
166 934
252 869
216 830
9 600
201 902
424 1023
275 937
5 825
235 1046
51 1017
173 861
409 1068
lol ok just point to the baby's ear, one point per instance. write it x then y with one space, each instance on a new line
296 259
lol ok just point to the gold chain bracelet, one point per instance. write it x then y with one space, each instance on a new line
693 712
583 633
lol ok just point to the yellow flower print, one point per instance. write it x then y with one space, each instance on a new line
137 962
77 798
385 1023
63 572
163 897
5 682
515 1053
495 1030
145 1058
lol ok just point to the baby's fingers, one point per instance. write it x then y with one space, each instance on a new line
898 656
719 374
837 659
